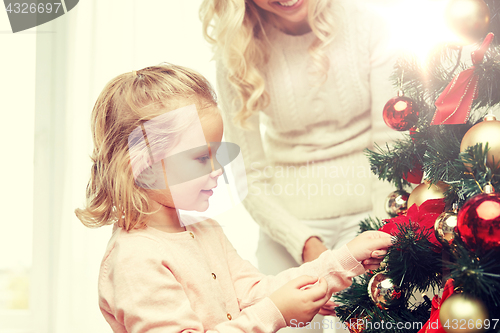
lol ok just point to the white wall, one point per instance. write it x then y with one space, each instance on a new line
104 38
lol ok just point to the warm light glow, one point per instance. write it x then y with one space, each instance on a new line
400 106
387 284
462 9
464 308
488 210
417 26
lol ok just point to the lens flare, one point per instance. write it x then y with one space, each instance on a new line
416 27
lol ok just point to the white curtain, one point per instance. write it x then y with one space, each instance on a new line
76 55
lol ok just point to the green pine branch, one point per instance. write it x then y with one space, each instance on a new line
392 163
477 275
370 223
413 262
359 308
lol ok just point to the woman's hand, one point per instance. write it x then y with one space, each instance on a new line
312 249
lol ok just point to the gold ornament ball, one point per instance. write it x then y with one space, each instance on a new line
383 264
444 226
469 19
397 203
383 291
461 308
425 191
487 131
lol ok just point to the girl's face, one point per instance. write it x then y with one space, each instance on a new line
291 15
191 169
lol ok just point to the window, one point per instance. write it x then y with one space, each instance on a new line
16 167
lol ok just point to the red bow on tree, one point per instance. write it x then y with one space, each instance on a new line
433 325
454 103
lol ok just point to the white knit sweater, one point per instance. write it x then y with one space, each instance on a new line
309 163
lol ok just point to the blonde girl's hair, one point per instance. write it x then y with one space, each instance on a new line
126 102
235 29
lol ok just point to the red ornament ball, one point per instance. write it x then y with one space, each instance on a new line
400 113
414 175
479 222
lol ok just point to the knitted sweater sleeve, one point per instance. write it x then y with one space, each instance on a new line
139 294
264 208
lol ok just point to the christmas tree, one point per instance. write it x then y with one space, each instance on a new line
443 272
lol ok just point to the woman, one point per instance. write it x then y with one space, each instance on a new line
315 75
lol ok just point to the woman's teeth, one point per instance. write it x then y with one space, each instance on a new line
288 3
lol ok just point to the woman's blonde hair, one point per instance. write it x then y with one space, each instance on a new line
235 29
127 102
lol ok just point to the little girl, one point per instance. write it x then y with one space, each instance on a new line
154 132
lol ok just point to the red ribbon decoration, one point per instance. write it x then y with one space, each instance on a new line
454 103
433 325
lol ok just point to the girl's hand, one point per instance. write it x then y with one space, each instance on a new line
370 248
300 302
375 260
328 309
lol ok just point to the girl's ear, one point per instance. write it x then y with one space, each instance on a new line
153 177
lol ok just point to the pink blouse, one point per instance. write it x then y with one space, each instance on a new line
194 281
